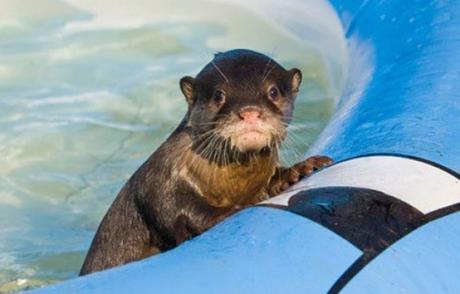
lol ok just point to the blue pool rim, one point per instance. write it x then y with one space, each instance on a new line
401 106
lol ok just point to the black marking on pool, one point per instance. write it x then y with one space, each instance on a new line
369 219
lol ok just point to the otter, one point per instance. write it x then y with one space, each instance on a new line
223 156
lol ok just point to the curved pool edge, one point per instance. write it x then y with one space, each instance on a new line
403 93
402 101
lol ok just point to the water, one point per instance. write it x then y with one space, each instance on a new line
88 89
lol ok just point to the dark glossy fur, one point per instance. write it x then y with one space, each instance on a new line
184 189
155 211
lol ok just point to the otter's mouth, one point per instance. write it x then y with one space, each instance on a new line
251 139
237 141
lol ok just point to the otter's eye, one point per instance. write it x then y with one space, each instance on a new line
273 93
219 97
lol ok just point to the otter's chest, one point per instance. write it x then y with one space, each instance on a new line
232 184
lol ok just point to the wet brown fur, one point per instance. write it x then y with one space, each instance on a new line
233 184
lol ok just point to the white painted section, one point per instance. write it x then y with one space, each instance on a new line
419 184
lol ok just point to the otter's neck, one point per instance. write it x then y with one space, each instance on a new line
227 183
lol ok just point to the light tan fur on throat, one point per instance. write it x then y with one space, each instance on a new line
232 184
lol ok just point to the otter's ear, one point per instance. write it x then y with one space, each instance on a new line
188 89
296 79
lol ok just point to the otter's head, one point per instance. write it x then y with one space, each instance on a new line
241 102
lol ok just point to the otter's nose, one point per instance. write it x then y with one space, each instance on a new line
249 116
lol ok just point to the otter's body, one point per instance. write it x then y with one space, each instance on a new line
221 158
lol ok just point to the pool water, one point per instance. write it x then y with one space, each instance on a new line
88 89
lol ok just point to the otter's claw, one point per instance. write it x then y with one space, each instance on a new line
286 177
312 164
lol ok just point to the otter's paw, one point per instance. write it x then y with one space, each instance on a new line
286 177
311 164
